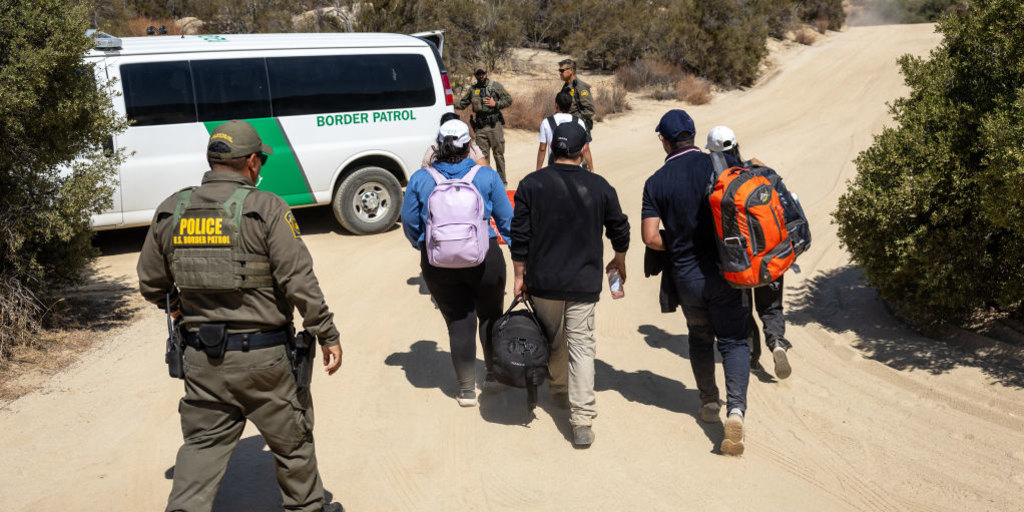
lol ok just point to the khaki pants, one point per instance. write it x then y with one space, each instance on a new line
220 395
492 138
573 348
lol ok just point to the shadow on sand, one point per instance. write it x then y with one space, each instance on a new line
840 301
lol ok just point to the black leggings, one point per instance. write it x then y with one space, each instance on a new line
464 295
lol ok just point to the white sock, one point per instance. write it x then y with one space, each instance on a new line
736 410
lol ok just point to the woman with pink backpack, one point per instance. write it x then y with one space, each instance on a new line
445 215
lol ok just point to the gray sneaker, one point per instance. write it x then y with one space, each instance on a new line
582 435
782 368
733 442
466 397
711 412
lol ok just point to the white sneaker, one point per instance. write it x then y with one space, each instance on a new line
733 442
782 368
466 397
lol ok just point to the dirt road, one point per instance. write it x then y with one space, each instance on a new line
875 417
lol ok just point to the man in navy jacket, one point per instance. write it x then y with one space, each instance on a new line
676 197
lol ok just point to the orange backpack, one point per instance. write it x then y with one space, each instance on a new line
750 229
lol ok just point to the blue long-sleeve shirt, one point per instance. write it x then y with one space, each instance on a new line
421 184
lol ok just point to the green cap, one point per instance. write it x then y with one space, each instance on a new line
235 139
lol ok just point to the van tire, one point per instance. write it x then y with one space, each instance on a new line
368 201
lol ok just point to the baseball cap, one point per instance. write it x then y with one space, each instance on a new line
676 125
721 138
234 139
454 128
569 137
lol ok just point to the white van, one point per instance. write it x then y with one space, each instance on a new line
348 115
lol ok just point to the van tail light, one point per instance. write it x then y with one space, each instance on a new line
449 96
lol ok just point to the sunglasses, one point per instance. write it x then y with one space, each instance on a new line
262 157
561 70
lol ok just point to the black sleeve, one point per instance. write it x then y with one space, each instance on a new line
519 245
616 224
649 207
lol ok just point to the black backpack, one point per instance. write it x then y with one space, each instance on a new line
797 228
521 352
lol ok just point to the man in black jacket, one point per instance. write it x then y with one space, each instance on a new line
557 253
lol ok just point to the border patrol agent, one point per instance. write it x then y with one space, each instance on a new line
229 261
582 97
488 98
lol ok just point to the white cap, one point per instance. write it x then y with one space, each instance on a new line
454 128
721 138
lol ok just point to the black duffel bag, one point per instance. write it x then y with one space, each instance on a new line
521 350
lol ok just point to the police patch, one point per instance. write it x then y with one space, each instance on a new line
583 92
476 91
290 219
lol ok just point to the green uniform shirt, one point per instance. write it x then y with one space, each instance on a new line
475 96
269 229
582 100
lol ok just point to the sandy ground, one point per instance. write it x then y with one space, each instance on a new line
875 417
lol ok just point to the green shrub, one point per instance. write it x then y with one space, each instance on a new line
51 113
933 214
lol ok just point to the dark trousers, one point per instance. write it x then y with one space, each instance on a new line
713 310
468 297
767 302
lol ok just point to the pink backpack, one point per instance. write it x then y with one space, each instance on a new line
457 233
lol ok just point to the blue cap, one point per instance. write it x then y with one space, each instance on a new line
676 125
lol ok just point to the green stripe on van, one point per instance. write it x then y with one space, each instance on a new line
282 175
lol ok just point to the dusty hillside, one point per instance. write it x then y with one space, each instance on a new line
874 417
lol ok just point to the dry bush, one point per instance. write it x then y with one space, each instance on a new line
19 310
648 72
138 26
806 36
693 90
528 109
822 24
611 101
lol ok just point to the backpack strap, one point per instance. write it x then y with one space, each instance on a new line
434 173
468 178
184 199
551 122
719 163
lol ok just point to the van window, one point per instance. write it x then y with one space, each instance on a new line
231 89
158 93
345 83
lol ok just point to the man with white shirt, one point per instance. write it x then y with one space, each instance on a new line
563 102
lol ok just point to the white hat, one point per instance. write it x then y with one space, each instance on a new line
721 138
454 128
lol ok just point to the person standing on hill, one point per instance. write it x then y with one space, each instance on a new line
582 97
563 102
676 196
229 262
767 300
557 252
488 98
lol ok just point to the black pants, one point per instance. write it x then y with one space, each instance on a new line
464 296
767 301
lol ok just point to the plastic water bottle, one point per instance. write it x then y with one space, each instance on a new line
615 284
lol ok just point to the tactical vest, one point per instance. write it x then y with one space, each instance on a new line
207 253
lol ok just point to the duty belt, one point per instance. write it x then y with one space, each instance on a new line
245 341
